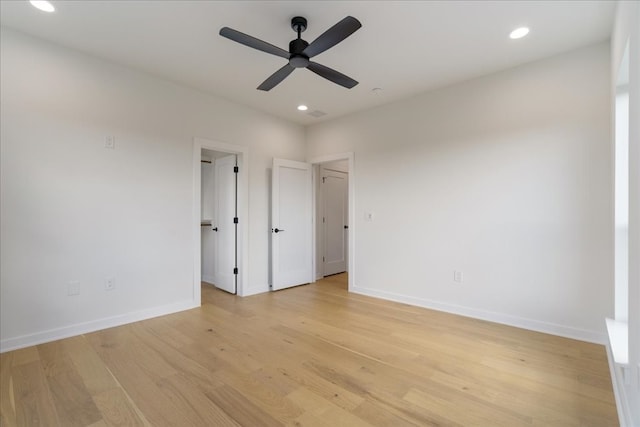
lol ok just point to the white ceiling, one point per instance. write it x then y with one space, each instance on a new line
403 47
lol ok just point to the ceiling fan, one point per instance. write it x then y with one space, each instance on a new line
300 52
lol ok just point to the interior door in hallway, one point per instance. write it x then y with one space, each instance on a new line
225 259
291 224
335 221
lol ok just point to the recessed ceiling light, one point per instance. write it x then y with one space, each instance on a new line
43 5
519 33
302 108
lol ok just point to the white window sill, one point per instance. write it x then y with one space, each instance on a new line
619 341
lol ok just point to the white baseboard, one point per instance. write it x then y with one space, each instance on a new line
208 279
505 319
92 326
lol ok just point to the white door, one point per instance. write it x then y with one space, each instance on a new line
223 224
334 196
291 224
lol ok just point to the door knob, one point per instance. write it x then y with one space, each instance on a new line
215 229
346 227
277 230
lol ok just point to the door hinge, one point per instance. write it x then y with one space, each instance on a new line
322 259
323 220
235 220
235 270
236 169
323 178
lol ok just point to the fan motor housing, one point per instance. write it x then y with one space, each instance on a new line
297 46
297 58
299 61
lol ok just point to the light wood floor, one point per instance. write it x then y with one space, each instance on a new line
309 356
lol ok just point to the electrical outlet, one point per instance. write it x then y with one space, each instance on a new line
458 276
110 284
73 288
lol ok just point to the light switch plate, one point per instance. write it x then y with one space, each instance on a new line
458 276
110 142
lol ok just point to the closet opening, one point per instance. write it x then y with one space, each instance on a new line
220 216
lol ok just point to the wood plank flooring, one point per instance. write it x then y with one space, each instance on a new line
313 355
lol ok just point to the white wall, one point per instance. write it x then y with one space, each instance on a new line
75 211
506 178
627 27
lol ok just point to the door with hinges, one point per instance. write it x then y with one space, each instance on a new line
225 224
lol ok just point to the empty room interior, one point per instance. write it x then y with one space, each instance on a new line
320 213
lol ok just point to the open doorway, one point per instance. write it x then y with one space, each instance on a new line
297 236
332 213
220 215
219 219
334 216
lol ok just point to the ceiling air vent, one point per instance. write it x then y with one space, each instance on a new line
317 113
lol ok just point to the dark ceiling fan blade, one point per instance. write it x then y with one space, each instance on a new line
253 42
276 78
331 74
332 36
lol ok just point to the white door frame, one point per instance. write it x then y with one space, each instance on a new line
351 268
243 211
